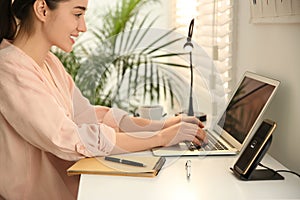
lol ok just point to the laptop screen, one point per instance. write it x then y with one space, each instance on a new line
246 105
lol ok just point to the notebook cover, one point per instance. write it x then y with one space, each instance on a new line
98 165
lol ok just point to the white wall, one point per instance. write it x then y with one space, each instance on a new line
274 50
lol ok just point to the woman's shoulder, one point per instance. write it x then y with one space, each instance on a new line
12 56
6 50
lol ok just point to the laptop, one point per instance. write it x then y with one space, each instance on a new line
228 135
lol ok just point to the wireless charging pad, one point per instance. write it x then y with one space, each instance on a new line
245 166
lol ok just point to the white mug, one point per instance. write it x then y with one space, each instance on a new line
154 112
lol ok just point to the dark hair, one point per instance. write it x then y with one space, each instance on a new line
18 10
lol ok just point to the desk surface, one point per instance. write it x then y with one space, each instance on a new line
211 178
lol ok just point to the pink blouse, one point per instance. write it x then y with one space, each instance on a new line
44 128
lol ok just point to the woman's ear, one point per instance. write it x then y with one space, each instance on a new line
40 9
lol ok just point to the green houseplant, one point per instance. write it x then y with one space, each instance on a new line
121 69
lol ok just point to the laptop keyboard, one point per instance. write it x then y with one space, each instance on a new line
213 144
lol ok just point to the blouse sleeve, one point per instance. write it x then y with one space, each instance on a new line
84 112
89 117
29 107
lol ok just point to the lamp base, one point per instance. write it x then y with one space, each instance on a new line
200 115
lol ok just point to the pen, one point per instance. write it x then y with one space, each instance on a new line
123 161
188 168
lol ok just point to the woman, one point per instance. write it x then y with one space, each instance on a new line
45 123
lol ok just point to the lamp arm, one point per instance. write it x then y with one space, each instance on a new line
191 110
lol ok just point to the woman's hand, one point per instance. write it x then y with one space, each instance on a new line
188 129
182 118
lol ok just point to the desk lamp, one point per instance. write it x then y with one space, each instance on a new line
188 46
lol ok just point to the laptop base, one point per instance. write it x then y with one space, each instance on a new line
181 149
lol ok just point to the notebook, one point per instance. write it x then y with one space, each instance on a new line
236 123
101 166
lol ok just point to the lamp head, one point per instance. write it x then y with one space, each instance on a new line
188 46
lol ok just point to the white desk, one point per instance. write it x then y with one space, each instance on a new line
210 179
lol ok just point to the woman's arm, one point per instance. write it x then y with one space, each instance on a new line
136 124
175 133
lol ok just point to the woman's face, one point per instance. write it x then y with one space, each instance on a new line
65 23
